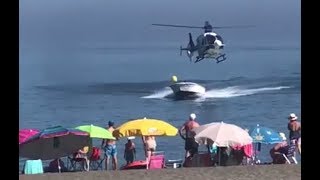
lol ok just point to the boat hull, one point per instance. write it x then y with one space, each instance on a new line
187 90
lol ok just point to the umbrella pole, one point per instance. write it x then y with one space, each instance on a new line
145 152
144 148
255 153
59 167
219 155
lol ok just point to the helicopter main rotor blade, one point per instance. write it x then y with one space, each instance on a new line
229 27
201 27
177 26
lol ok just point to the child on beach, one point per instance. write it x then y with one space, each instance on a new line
129 151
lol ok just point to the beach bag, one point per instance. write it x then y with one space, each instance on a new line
95 153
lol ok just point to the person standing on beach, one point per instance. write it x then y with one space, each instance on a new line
129 151
110 148
150 145
191 146
294 128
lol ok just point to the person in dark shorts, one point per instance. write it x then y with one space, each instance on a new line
294 128
110 148
191 146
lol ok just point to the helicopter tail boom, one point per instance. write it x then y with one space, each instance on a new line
190 48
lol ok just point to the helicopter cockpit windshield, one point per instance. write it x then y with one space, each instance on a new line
210 39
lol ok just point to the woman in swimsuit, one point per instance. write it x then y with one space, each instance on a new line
150 145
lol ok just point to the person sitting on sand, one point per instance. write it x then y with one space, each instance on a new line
150 145
129 151
279 149
82 154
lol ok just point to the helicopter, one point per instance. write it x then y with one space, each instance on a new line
209 44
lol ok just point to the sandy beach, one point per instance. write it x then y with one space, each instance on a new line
261 172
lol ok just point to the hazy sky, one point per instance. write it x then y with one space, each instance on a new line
88 21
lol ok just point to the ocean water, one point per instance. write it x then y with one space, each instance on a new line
69 80
91 86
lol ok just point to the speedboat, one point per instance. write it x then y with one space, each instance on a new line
187 90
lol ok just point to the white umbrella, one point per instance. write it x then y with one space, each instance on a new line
223 134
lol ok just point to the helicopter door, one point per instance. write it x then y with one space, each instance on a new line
219 38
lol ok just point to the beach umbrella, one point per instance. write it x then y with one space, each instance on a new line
96 131
223 134
25 134
54 142
145 127
265 135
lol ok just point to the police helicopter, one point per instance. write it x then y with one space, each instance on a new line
209 44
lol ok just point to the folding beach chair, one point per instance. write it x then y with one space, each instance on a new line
290 155
95 159
76 163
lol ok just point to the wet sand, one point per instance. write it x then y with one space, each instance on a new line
261 172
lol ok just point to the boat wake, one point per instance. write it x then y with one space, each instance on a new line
233 91
163 93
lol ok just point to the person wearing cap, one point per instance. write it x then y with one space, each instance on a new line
110 148
294 128
191 146
129 151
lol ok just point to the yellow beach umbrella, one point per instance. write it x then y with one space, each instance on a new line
145 127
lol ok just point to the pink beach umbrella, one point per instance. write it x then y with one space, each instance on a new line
223 134
54 142
25 134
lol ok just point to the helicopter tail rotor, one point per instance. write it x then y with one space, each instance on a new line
191 43
190 48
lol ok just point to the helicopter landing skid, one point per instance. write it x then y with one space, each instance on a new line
198 59
221 58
